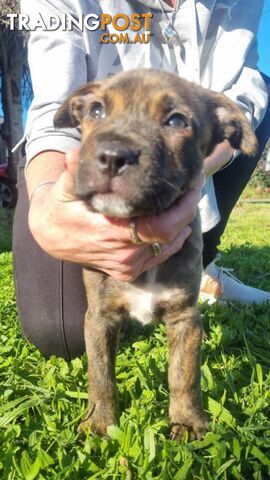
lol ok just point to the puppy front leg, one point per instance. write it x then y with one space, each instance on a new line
185 410
101 338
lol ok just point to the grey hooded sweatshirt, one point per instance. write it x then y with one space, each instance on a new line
216 47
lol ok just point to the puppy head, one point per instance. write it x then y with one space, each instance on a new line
145 134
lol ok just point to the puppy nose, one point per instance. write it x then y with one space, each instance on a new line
114 159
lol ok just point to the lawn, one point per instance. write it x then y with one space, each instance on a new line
42 400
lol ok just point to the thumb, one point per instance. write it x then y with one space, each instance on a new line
71 163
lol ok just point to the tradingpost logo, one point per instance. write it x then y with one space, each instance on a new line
126 28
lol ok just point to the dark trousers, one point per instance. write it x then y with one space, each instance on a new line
50 294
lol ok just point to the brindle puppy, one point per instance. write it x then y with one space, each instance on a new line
145 134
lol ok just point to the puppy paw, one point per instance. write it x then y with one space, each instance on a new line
97 421
196 428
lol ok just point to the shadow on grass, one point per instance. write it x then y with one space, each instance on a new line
6 220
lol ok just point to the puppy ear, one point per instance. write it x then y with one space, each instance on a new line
71 112
231 124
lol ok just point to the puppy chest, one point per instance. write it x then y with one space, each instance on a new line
142 304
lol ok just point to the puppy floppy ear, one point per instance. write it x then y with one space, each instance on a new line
72 111
230 123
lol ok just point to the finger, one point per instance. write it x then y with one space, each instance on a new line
168 250
72 160
177 216
126 267
163 228
166 226
147 260
119 228
67 178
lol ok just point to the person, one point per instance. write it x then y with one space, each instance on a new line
212 43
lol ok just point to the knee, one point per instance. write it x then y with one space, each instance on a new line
47 333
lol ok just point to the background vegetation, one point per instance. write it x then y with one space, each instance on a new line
15 83
42 401
259 184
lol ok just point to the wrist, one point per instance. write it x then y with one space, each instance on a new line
38 188
38 210
44 167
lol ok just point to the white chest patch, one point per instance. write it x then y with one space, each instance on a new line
141 307
142 302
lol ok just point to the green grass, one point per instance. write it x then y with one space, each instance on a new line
251 193
6 217
42 401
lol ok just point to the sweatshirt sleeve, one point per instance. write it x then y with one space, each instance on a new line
57 61
249 91
230 57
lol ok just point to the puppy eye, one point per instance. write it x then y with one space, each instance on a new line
97 111
177 120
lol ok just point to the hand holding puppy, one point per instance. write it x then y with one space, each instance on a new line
66 229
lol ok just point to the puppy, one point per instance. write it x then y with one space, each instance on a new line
145 134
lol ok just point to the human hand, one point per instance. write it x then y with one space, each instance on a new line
66 229
221 155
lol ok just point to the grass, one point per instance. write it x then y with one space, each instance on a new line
258 193
42 401
6 217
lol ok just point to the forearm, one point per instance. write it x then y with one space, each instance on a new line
221 155
45 167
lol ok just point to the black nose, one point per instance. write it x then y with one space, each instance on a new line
114 158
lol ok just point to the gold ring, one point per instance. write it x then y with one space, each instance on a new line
133 233
156 249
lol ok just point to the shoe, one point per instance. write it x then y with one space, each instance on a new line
219 285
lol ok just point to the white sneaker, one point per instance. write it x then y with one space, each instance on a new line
218 284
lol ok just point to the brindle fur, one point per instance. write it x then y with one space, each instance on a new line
168 161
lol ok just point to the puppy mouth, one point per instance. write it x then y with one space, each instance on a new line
114 204
133 192
111 205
